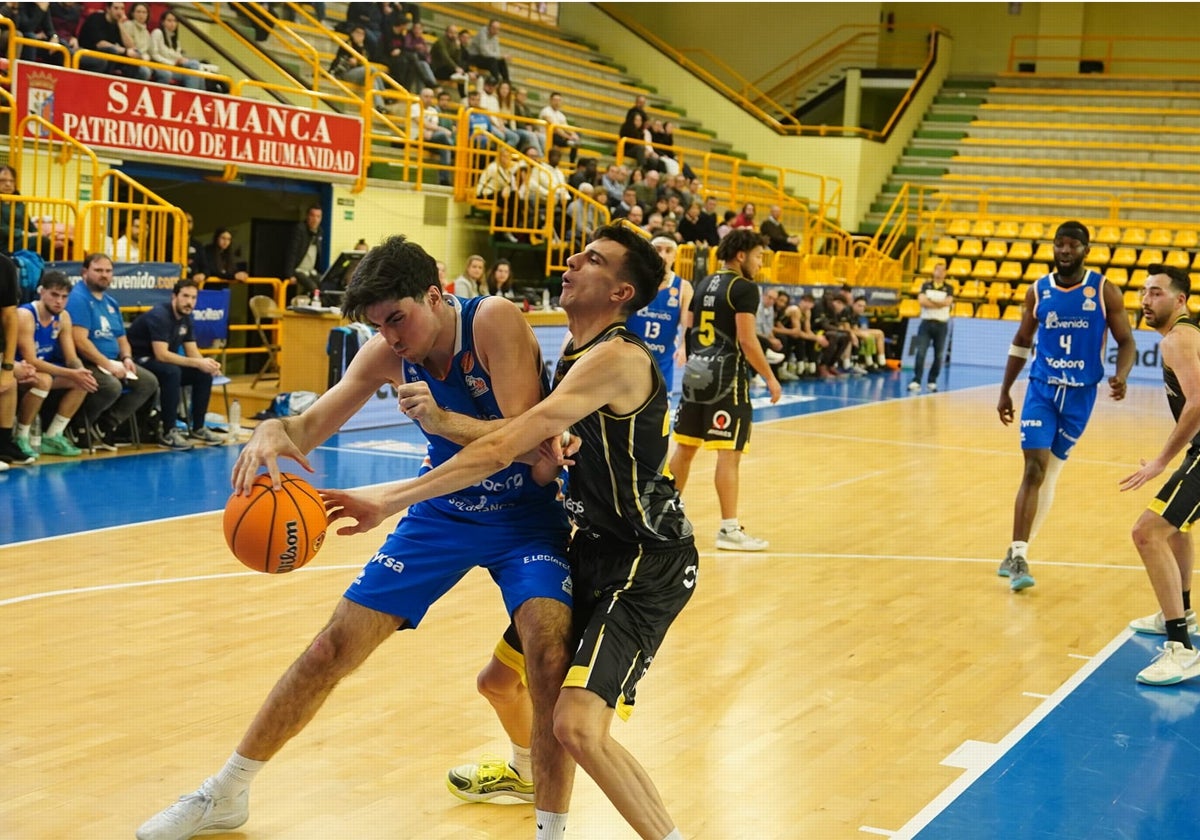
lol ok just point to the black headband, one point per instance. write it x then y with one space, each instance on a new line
1075 230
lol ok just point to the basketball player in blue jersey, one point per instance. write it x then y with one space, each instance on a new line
663 321
633 558
460 368
1068 312
1162 534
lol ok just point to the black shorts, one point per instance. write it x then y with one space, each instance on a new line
721 425
1178 501
625 600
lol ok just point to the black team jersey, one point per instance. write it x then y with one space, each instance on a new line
716 302
618 488
1175 398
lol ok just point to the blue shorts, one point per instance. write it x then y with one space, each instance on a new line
1054 416
430 551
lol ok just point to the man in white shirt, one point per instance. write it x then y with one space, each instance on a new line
424 122
553 114
936 299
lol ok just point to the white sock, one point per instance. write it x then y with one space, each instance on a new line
1019 548
23 430
236 775
522 762
57 426
1046 494
730 524
550 826
674 835
881 359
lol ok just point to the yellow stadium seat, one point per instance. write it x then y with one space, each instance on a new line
959 268
1124 256
964 309
1035 270
947 246
1032 230
1021 251
1178 259
970 248
983 228
1149 256
1044 252
984 269
1142 325
998 291
1119 277
1108 235
959 227
1186 239
1196 261
930 264
1133 299
1137 280
910 308
1098 255
915 288
1194 304
1133 236
1159 238
995 249
1012 312
1132 317
1009 270
1007 230
988 310
971 290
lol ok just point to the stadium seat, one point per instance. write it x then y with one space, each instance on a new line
995 249
1012 312
998 292
930 264
1032 230
1009 270
1159 238
1035 270
1108 235
910 308
1137 280
983 228
959 268
970 248
1098 255
1193 304
964 309
1124 256
1133 299
984 269
1134 236
1021 251
947 246
1186 239
988 310
1119 277
1196 261
1007 230
1178 259
959 227
971 290
1149 256
1044 252
915 288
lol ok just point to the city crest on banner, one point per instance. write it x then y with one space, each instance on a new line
39 98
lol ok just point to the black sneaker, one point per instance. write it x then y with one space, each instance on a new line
102 438
10 453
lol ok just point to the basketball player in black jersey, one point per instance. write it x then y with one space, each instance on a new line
1162 533
633 559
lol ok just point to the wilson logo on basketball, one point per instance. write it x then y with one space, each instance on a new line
287 560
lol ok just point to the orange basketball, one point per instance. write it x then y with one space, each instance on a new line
275 532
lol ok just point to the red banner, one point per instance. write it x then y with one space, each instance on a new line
111 112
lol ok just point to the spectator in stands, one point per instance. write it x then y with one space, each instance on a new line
500 280
522 108
562 136
690 226
638 108
937 301
662 154
479 124
628 202
499 183
469 283
99 333
464 44
680 186
66 18
777 237
13 373
744 219
46 341
447 111
446 58
634 131
222 262
486 52
870 339
374 18
812 343
726 224
489 101
507 106
584 216
350 62
636 215
587 172
165 49
613 182
424 121
101 32
416 46
163 340
195 252
401 62
708 221
647 191
127 247
654 223
18 232
34 21
136 30
304 251
828 317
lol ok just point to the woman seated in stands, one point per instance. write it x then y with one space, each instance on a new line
17 232
220 259
500 279
745 219
499 183
136 29
508 107
165 49
633 129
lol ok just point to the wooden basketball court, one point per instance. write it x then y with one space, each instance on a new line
808 692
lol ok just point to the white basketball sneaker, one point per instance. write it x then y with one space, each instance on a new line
739 540
1175 663
197 813
1156 625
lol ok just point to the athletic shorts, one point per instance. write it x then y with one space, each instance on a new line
625 600
430 551
721 425
1054 416
1178 501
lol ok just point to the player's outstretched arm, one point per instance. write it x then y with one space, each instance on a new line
1118 324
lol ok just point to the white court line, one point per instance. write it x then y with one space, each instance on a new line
1035 695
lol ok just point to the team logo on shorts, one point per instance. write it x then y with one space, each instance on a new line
721 423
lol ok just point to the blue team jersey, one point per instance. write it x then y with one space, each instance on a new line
657 324
101 317
467 389
1072 324
46 337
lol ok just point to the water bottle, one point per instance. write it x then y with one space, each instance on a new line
316 297
546 299
235 423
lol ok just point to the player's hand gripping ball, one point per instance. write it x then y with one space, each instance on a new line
275 532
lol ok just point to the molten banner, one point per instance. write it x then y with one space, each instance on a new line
110 112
